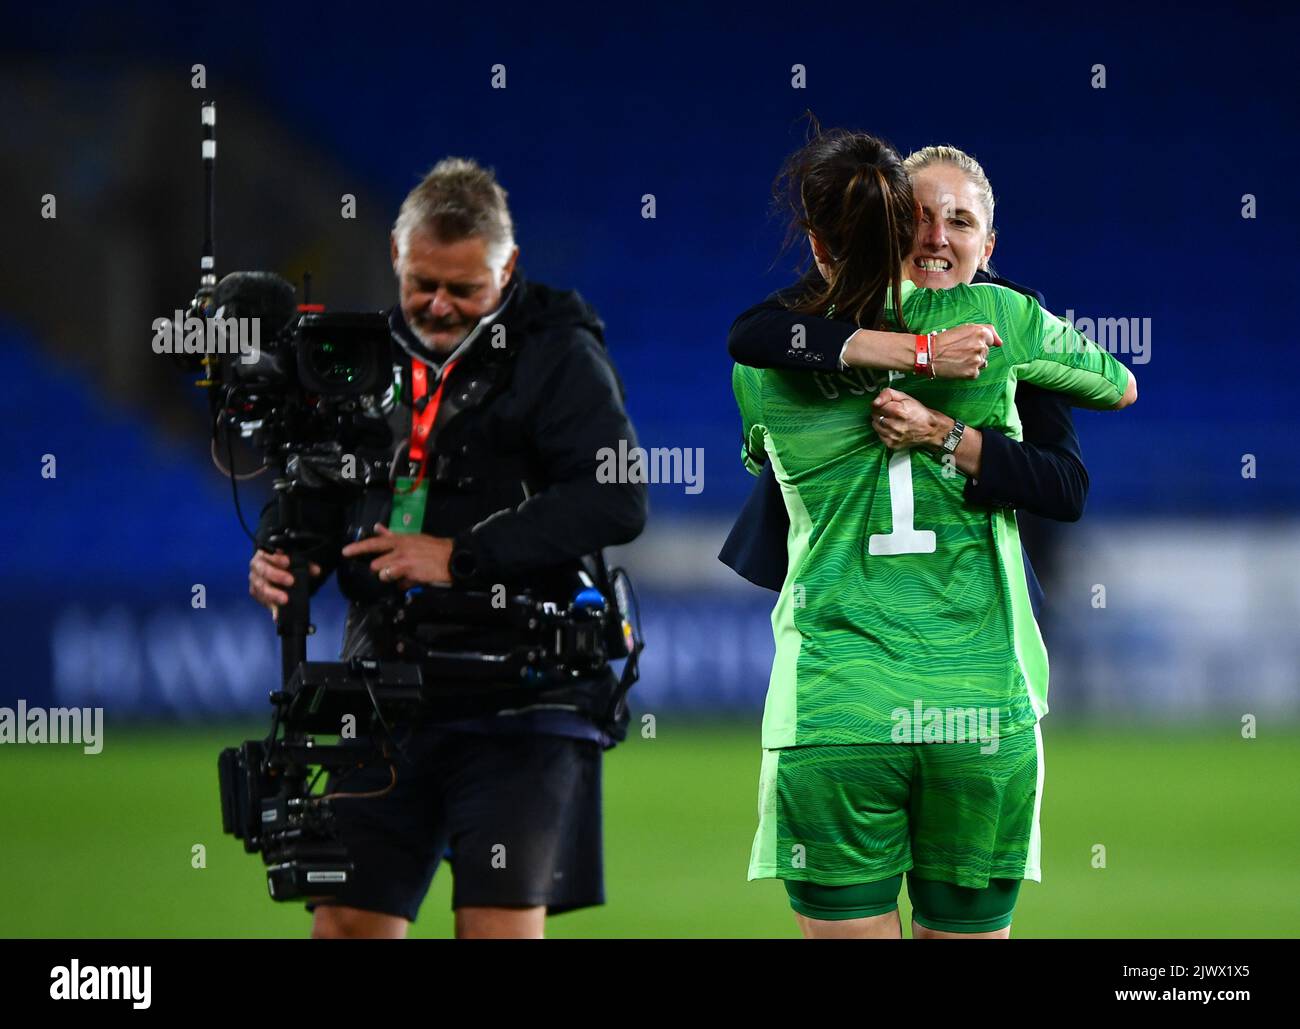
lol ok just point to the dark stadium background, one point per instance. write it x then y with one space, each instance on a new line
1122 202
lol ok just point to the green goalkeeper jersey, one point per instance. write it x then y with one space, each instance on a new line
902 600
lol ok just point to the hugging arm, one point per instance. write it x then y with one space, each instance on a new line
770 335
1065 360
1044 475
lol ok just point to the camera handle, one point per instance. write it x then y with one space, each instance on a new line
293 623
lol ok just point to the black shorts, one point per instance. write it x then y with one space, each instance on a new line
518 817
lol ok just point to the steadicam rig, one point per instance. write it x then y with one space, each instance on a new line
302 389
309 395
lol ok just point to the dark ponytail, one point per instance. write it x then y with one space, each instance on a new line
850 190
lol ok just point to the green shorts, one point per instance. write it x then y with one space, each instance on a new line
849 814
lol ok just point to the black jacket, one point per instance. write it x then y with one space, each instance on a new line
512 457
1044 475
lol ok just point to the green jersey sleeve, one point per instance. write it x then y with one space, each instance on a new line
1061 358
747 385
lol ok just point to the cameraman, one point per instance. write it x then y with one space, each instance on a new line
516 397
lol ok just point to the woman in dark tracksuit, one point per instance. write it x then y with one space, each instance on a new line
1043 475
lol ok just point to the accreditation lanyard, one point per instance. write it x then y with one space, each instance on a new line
410 494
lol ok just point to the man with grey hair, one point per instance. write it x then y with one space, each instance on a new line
503 397
455 222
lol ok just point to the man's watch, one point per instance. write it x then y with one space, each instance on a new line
953 439
462 564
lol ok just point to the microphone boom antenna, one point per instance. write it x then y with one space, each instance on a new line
202 305
207 260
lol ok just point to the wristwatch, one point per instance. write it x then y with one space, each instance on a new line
462 564
953 439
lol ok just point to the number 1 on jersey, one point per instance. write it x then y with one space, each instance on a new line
904 538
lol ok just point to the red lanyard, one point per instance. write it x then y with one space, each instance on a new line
422 421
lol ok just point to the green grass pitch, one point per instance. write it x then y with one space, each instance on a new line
1201 830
